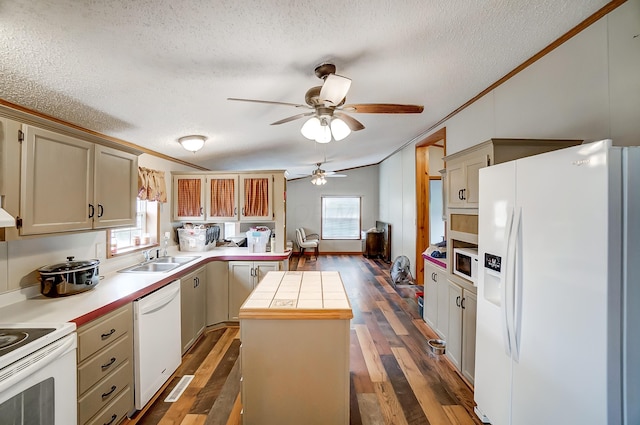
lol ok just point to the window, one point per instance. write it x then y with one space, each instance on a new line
143 235
340 217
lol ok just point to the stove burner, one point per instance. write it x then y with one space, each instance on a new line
9 338
14 338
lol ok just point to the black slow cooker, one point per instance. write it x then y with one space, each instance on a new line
69 278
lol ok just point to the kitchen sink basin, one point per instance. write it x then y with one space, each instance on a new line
159 265
178 260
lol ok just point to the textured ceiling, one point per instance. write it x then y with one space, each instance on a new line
150 71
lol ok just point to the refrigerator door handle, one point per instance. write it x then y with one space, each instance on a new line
517 286
504 284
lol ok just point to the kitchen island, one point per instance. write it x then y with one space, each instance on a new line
294 329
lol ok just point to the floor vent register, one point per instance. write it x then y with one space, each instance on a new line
179 389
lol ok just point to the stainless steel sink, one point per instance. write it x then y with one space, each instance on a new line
178 260
159 265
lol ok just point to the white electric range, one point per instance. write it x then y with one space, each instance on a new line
38 373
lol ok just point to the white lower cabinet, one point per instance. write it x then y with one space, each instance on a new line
434 278
243 278
105 368
217 292
461 335
193 306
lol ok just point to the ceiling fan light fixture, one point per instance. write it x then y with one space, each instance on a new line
311 128
324 134
339 128
192 143
318 180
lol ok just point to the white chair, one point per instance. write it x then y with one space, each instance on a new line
303 244
310 237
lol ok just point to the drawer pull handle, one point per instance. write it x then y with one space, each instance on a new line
113 418
107 365
107 335
107 394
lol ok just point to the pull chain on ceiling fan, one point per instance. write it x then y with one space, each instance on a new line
327 103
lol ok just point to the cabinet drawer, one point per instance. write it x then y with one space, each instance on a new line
104 362
103 331
105 391
116 411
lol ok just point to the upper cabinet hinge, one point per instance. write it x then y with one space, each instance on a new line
20 136
488 160
18 222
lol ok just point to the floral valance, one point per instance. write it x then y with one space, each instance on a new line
151 185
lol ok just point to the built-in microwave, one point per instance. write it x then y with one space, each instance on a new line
465 263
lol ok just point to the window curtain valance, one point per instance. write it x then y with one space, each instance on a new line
151 185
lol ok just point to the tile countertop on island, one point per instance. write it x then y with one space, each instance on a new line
298 295
117 289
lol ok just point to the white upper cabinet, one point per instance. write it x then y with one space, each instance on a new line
188 197
222 197
256 198
69 184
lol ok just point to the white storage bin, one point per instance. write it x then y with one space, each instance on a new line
194 240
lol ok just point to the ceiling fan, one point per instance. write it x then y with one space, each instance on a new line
319 176
327 108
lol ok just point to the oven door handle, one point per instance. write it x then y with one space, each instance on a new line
36 361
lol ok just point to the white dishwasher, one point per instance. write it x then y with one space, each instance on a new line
156 338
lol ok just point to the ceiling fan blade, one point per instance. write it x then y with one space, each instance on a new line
334 89
383 108
292 118
297 105
353 123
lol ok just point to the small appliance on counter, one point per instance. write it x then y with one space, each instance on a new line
69 278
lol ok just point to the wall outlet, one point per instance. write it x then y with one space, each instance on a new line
100 250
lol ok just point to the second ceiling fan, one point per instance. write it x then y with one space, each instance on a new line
327 108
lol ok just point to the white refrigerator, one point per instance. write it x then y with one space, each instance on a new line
558 320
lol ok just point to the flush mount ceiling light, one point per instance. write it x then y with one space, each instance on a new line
192 143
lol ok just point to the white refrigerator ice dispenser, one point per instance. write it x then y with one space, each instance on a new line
557 336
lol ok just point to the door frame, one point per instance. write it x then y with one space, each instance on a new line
438 138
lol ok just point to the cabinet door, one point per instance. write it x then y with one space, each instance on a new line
454 334
187 305
188 197
116 178
430 295
472 186
222 197
442 324
256 198
455 184
241 283
261 268
200 302
192 306
56 183
217 292
469 336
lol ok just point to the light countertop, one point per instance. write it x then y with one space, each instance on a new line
117 289
298 295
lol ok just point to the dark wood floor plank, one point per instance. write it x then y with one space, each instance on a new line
410 406
223 406
208 395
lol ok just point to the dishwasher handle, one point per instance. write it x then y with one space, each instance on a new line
157 300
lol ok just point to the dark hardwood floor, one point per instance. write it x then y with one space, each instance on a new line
394 378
